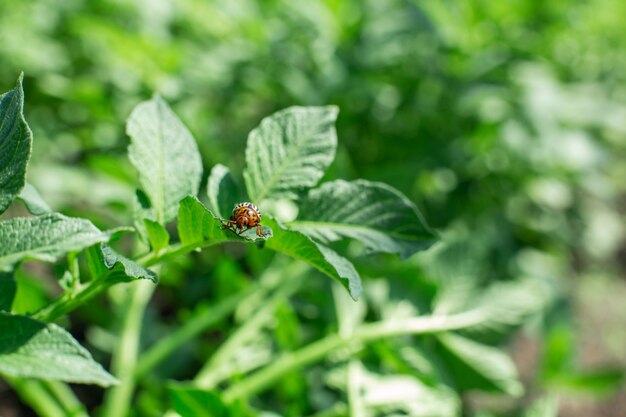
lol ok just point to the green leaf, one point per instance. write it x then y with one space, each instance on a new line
223 191
105 263
543 407
374 213
33 201
193 402
7 290
45 238
32 349
405 394
290 151
478 366
157 235
166 156
16 142
198 227
300 246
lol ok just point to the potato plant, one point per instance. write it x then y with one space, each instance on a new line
411 339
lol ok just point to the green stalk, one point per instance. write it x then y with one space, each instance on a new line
34 394
71 301
316 351
218 367
199 323
66 398
117 400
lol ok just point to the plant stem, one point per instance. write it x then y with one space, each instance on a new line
118 398
219 367
71 301
291 361
199 323
34 394
67 398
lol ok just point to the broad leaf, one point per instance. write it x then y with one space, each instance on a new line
33 201
105 263
197 226
166 156
290 151
374 213
16 142
223 191
32 349
157 235
300 246
478 366
193 402
45 238
7 290
406 394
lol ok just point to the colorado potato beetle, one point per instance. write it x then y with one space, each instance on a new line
245 216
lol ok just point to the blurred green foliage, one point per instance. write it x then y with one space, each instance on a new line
504 121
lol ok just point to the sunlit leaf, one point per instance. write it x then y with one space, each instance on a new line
373 213
165 155
33 200
198 226
478 366
105 263
15 145
300 246
45 238
223 191
32 349
290 151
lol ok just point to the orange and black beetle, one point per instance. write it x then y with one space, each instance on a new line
245 215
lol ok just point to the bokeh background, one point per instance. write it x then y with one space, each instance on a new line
503 121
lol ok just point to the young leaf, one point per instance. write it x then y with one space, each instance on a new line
166 156
33 201
32 349
300 246
374 213
478 366
7 290
16 142
193 402
105 263
157 235
290 151
45 238
223 191
198 226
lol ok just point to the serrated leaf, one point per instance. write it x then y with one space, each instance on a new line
105 263
45 238
198 226
503 306
33 201
223 191
16 141
374 213
290 151
157 235
394 393
477 366
300 246
32 349
165 155
7 290
193 402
